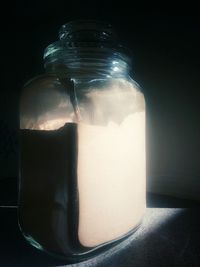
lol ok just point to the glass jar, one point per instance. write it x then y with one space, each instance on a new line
82 146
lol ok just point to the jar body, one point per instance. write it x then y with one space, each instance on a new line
82 163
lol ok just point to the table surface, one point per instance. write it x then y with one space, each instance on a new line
169 236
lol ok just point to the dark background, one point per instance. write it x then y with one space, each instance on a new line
166 63
165 43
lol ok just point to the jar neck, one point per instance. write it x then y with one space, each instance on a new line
91 64
87 48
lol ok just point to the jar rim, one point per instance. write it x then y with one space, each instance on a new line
89 41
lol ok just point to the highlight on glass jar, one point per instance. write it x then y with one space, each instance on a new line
82 179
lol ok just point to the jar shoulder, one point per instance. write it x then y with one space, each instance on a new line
40 79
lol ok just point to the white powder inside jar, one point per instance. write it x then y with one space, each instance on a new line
111 166
111 179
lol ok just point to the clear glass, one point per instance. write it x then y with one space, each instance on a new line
82 139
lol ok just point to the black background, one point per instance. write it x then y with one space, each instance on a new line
165 43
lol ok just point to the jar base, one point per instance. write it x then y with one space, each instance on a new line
79 257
